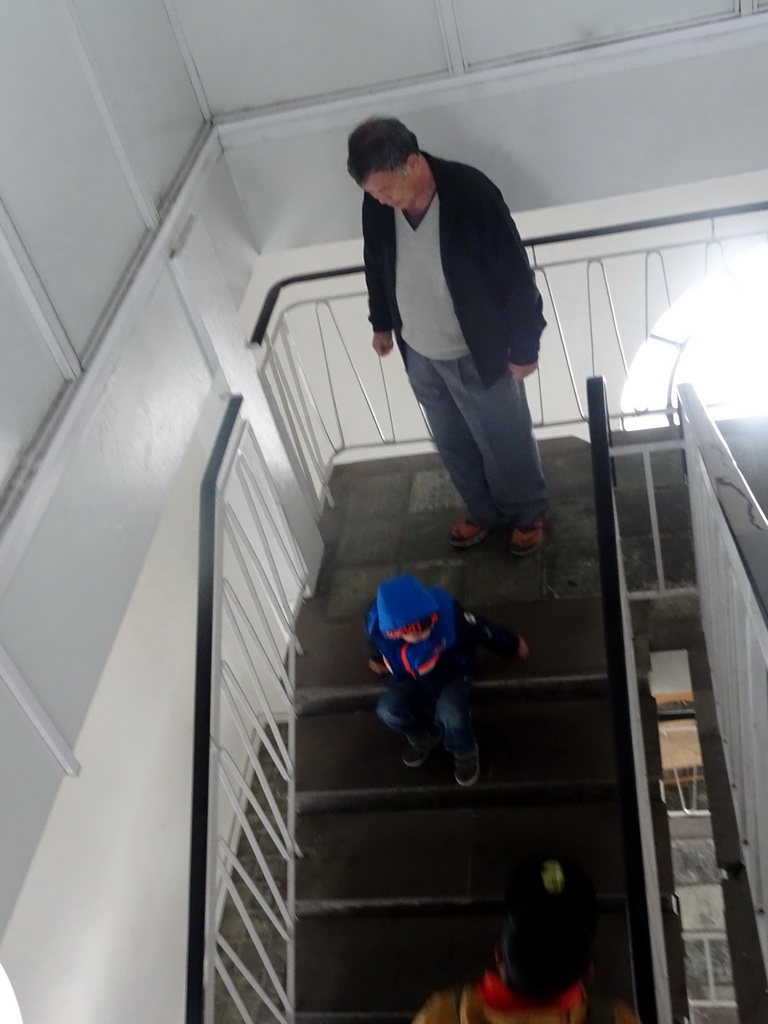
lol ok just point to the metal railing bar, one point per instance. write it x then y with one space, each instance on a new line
745 519
648 224
358 378
229 860
607 256
276 520
234 994
301 470
236 776
302 440
613 620
614 319
273 295
291 545
238 539
254 677
390 415
250 978
258 770
277 674
305 391
275 661
591 319
653 512
258 854
705 244
261 950
717 245
563 345
331 388
290 968
281 762
199 861
646 263
302 303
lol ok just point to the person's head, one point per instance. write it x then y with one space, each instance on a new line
407 611
549 926
384 159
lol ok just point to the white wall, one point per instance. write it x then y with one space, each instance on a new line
559 130
98 934
201 278
97 611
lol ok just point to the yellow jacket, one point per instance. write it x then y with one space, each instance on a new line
441 1008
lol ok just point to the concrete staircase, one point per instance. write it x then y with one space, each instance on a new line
399 889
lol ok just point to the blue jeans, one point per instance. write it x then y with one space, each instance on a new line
416 709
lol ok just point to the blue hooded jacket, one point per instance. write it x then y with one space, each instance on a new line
448 651
400 602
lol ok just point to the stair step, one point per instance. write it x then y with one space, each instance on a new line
608 903
566 637
519 742
390 964
483 794
390 854
326 699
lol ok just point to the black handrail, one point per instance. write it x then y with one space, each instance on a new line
272 296
613 627
198 859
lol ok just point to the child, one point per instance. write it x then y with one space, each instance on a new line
424 640
542 960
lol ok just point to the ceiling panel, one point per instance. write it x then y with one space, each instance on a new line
142 72
30 378
497 30
253 53
59 176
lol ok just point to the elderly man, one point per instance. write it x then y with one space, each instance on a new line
447 273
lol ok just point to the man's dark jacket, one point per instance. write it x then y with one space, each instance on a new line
494 292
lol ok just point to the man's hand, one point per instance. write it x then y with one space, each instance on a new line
377 667
382 342
523 650
518 372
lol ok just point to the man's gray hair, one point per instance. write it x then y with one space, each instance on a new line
379 144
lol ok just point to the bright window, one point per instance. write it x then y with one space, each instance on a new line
715 336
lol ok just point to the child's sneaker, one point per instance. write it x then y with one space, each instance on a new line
417 751
466 768
467 533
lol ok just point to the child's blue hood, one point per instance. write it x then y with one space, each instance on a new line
401 601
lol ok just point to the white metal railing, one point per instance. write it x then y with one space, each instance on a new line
603 292
644 908
645 813
659 586
731 544
258 584
712 992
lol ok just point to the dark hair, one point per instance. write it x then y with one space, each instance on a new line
551 914
379 144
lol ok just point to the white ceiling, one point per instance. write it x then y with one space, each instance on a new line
255 54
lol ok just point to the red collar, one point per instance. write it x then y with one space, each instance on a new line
498 996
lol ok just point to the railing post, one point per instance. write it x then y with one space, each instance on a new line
610 585
199 865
